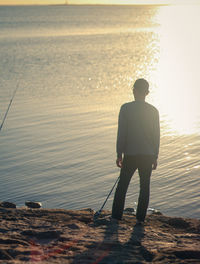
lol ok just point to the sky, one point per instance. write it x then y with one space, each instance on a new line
26 2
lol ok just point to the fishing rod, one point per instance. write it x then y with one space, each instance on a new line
9 105
96 215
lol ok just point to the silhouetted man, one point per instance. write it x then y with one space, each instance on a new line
138 142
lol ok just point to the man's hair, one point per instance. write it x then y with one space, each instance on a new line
141 85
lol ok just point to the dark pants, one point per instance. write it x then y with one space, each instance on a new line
130 165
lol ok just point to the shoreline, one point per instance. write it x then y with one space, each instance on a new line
72 236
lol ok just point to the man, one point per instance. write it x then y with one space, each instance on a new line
138 142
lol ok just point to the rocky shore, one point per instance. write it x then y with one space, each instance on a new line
72 236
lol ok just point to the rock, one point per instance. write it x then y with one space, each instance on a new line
7 205
73 226
30 204
178 223
156 212
129 211
88 210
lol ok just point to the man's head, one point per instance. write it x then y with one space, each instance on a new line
140 89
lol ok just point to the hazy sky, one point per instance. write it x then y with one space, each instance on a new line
20 2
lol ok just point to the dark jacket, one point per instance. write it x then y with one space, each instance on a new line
138 130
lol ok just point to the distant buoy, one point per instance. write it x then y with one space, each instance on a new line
30 204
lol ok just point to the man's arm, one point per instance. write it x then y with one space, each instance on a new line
156 138
121 136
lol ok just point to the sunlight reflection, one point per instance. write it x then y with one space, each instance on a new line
178 68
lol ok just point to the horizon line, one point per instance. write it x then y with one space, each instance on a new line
87 4
103 4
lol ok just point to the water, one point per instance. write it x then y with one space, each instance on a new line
75 66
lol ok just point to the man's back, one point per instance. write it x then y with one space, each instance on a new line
138 129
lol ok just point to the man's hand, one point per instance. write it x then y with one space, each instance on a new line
154 165
119 162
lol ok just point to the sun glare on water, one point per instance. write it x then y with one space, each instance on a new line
179 68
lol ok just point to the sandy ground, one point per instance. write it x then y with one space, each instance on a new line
71 236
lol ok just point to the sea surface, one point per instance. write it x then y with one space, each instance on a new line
74 67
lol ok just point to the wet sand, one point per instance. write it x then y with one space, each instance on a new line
72 236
